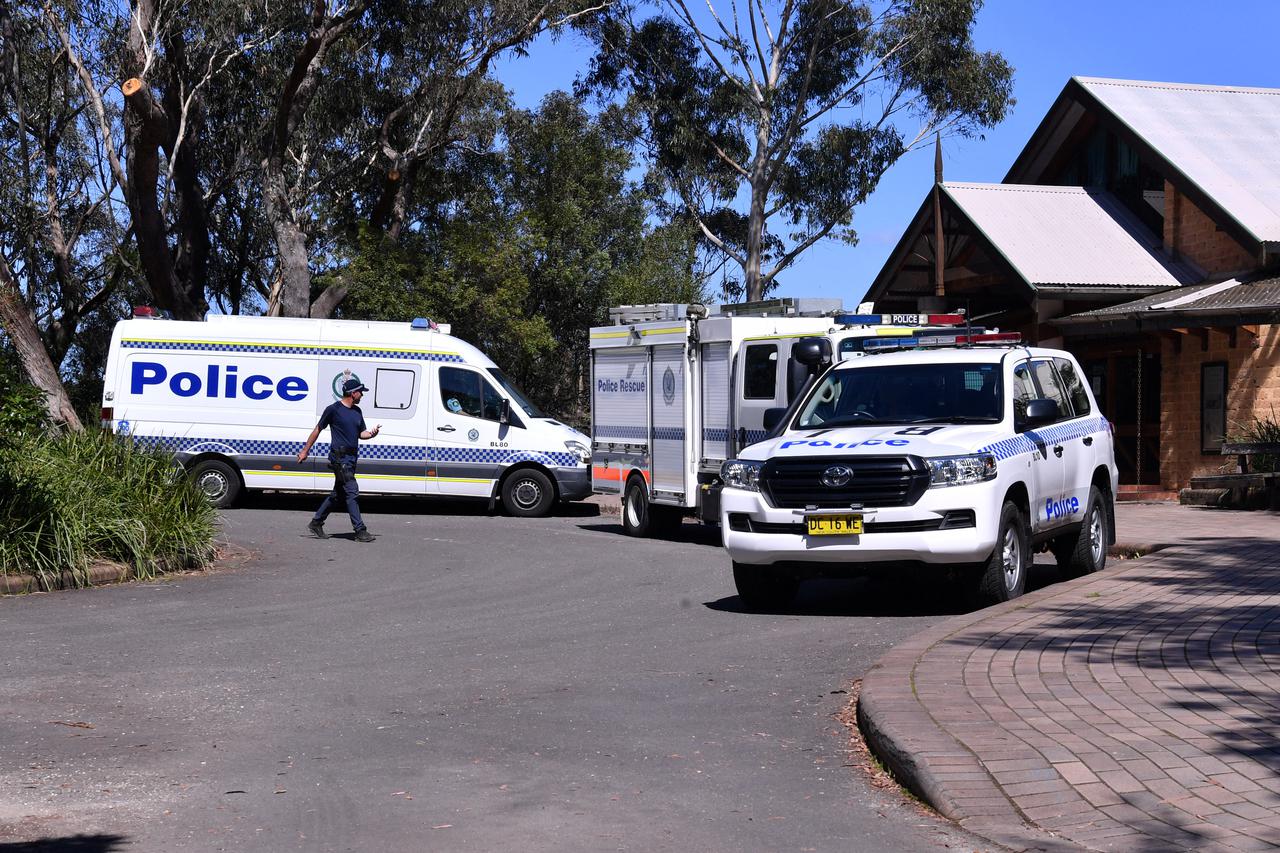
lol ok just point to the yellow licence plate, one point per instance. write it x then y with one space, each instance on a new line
833 525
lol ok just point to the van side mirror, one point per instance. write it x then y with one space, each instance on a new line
504 412
773 417
1040 411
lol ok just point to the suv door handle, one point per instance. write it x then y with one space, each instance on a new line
1088 441
445 429
1057 450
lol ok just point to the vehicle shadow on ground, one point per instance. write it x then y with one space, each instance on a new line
691 532
913 593
70 844
400 505
1207 634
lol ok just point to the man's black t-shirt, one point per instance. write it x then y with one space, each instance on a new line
345 425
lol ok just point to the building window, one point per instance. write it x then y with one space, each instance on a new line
1213 406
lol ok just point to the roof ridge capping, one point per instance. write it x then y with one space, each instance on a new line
1186 87
1026 188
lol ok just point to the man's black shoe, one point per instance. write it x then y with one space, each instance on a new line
364 536
317 529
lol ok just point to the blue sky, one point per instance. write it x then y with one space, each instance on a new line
1228 42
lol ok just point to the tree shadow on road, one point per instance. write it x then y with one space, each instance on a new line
70 844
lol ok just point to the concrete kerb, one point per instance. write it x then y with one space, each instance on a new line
925 758
98 573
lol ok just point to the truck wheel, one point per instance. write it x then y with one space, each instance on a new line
637 518
217 481
1085 552
528 493
760 588
1005 574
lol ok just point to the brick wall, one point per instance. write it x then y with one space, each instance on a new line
1253 383
1190 234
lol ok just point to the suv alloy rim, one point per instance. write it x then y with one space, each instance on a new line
1012 558
1095 536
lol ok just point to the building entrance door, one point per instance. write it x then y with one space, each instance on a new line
1126 385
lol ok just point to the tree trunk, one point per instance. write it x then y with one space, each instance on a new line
755 218
41 372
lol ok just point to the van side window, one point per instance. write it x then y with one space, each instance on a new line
1051 388
466 392
1075 387
393 389
760 377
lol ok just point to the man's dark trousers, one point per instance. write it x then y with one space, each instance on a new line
345 488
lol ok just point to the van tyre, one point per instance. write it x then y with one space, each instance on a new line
1085 552
217 481
762 588
637 515
1005 574
528 493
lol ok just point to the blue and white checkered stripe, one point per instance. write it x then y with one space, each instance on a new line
393 452
291 349
1026 442
715 435
668 434
617 431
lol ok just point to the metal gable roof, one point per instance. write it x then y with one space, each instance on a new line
1067 238
1221 138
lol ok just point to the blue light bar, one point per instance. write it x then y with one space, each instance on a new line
424 324
858 319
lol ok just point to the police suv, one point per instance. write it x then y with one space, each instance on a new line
960 452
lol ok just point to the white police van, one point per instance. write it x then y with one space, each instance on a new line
234 398
678 389
947 452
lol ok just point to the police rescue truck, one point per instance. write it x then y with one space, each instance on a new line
678 389
957 455
234 398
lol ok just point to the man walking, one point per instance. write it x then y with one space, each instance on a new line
346 427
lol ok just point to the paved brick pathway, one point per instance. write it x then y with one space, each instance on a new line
1135 710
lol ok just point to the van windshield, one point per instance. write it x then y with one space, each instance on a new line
905 394
516 395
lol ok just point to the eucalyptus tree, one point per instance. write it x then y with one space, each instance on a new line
792 109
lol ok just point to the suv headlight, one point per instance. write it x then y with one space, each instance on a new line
580 450
961 470
741 474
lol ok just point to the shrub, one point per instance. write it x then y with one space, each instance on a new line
1261 431
22 406
70 499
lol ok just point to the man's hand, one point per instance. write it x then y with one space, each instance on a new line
376 429
302 454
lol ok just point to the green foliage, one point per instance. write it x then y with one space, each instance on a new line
68 500
22 407
1260 430
549 233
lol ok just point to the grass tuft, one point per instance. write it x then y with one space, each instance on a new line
76 498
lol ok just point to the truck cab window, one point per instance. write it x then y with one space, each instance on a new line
760 376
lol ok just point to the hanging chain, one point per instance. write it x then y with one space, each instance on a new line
1138 447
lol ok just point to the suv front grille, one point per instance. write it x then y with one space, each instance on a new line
876 481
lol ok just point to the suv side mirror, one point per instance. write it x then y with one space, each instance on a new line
773 417
1040 411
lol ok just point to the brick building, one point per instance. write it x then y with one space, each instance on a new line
1139 228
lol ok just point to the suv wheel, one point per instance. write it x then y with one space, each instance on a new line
1005 574
761 588
1085 552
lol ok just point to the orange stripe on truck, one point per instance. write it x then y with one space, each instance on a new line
618 474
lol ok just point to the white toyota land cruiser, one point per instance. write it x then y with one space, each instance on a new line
970 456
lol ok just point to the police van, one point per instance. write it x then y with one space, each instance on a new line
956 454
677 389
234 399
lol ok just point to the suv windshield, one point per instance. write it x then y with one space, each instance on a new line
905 394
516 395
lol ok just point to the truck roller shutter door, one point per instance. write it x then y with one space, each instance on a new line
668 406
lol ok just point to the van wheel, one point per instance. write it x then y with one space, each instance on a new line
761 588
637 519
1005 574
217 481
1086 551
528 494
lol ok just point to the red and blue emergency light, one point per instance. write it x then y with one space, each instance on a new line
922 341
